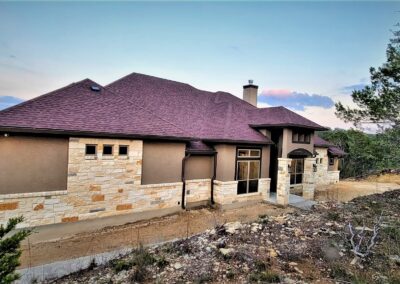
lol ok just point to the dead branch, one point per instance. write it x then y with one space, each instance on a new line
362 246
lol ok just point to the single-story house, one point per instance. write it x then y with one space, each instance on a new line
144 143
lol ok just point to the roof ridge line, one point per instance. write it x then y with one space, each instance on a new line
44 95
145 109
132 73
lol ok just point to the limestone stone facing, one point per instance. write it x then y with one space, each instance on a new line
309 178
283 181
333 176
323 176
97 187
198 190
264 185
225 192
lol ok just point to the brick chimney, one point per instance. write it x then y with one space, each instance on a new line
250 93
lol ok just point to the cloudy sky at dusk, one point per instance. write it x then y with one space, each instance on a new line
305 56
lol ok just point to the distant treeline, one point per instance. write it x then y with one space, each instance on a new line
367 153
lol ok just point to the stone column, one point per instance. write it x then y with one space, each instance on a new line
283 181
264 187
309 178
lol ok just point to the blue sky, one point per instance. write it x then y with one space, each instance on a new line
305 55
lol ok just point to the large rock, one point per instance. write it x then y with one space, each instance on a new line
233 227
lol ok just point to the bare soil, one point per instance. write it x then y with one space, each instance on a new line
158 230
347 190
293 247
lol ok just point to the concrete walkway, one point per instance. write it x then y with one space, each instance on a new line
295 201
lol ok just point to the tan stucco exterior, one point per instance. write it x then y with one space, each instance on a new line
162 162
335 166
288 145
33 164
226 162
265 161
199 167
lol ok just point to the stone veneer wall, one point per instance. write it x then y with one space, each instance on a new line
323 176
333 177
98 186
198 190
309 178
283 181
225 193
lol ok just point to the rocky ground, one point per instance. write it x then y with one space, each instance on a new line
298 247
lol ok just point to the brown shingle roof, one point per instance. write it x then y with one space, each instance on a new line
139 105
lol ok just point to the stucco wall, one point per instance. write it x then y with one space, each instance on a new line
335 165
288 145
226 162
98 186
162 162
199 167
31 164
265 161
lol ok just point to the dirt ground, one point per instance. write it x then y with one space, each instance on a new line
345 191
334 242
158 230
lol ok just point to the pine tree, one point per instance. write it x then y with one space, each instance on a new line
10 250
378 102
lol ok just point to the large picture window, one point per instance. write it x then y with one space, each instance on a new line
297 169
248 165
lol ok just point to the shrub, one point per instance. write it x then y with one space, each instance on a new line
10 250
265 277
121 264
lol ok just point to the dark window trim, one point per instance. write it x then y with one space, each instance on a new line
301 132
119 150
331 161
297 173
112 149
248 159
95 149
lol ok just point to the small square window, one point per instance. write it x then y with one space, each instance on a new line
91 150
107 149
331 161
123 150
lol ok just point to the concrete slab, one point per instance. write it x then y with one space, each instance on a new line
295 201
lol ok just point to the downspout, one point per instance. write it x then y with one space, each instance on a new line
213 178
184 180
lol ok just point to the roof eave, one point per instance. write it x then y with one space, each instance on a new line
288 125
230 141
60 132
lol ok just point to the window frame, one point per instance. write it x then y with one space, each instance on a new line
295 173
91 145
331 161
248 159
112 149
119 150
300 133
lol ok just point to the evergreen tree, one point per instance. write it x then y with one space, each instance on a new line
378 102
10 250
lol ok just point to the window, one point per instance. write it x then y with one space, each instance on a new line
248 170
107 149
331 161
301 137
297 168
123 150
91 150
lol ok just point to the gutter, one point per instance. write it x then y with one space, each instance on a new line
184 180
